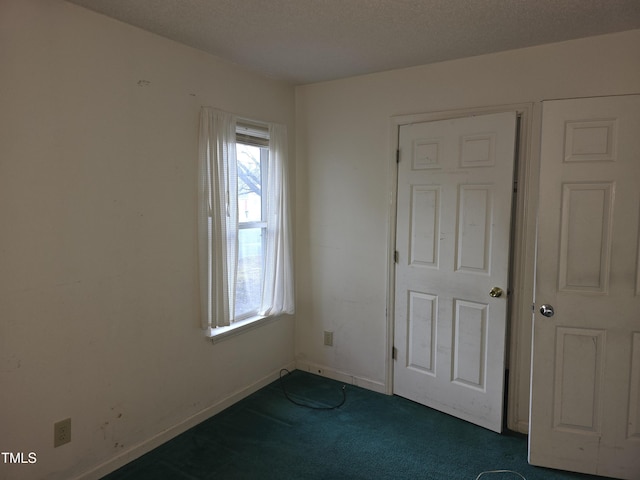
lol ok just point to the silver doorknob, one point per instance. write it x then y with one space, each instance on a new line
495 292
547 310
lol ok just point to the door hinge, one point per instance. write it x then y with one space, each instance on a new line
396 256
398 156
394 353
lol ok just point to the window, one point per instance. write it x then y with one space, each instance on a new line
245 257
252 158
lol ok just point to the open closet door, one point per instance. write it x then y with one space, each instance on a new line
585 395
455 185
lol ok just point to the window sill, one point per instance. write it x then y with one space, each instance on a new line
222 333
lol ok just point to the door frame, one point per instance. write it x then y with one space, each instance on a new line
522 281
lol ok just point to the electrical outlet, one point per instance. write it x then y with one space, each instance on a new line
328 339
61 432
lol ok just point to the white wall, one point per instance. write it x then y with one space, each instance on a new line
98 297
343 145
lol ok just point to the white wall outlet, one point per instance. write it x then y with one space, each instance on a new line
61 432
328 338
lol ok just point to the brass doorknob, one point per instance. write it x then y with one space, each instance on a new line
495 292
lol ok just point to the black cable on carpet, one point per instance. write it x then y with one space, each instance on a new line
284 390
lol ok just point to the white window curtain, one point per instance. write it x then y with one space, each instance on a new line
277 293
218 217
218 222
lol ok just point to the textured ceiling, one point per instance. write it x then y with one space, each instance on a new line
306 41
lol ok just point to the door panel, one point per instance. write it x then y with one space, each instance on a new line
455 181
586 358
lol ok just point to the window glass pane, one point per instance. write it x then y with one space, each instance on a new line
249 183
250 265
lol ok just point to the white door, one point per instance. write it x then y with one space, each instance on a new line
585 400
455 184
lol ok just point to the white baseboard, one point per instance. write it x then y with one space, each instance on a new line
153 442
325 371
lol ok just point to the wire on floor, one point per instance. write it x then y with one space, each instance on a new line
501 471
284 390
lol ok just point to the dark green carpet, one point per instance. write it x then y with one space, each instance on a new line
371 436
